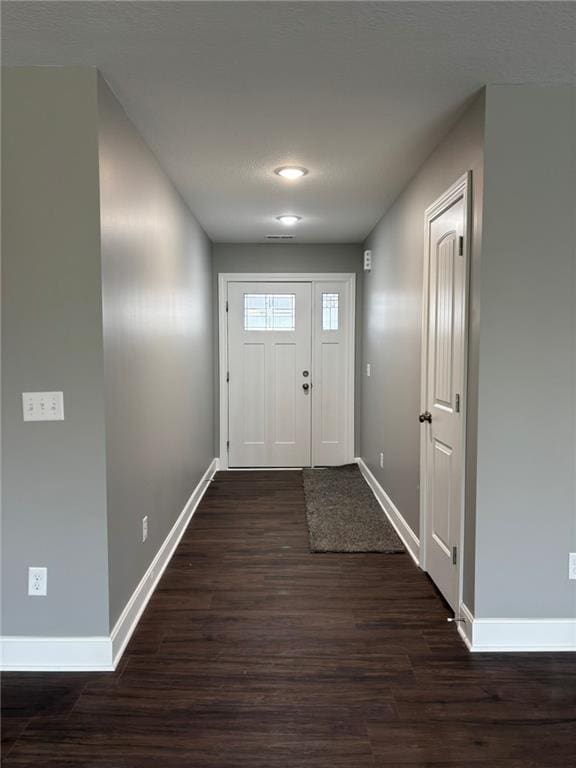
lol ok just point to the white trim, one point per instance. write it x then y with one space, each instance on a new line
516 635
53 654
465 627
130 616
409 538
280 277
283 277
264 469
462 188
222 370
100 654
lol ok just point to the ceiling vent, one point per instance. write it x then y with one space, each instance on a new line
279 237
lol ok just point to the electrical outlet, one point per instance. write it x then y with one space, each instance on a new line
144 528
367 261
37 581
368 369
572 565
381 461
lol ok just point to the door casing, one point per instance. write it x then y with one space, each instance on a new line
461 189
224 278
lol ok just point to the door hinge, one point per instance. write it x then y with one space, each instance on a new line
454 555
457 405
227 376
226 305
461 246
227 445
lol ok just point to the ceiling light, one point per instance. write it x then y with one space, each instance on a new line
288 220
291 172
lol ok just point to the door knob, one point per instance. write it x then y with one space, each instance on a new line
426 416
306 387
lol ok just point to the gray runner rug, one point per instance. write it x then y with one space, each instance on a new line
343 514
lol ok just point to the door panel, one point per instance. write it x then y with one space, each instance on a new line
269 347
286 391
441 499
254 381
332 390
330 371
444 383
444 320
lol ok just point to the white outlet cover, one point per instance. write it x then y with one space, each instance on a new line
367 261
37 581
43 406
368 369
572 565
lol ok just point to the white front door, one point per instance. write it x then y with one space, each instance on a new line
442 424
269 366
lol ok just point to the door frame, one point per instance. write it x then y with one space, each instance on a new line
460 189
348 278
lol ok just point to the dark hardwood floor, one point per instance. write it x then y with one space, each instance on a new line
254 653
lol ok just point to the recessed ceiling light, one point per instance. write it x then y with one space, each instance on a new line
288 220
291 172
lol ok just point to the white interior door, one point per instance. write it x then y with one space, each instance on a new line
269 365
442 425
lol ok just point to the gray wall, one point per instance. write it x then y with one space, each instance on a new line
526 514
392 320
54 500
264 257
158 348
107 296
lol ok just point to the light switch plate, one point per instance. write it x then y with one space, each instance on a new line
572 565
43 406
368 369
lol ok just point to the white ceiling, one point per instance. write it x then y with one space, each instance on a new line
358 92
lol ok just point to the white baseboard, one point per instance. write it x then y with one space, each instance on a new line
409 538
103 653
130 616
516 635
56 654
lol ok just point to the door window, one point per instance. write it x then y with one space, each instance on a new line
330 311
269 311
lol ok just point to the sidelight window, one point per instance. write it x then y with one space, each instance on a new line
330 311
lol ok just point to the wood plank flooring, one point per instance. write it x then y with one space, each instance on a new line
255 653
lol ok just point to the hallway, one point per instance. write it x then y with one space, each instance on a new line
254 652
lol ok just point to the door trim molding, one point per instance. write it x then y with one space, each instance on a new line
461 189
281 277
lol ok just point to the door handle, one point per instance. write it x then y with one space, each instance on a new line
306 387
426 416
